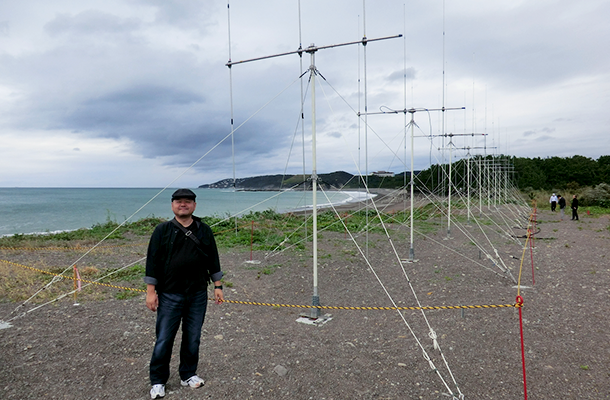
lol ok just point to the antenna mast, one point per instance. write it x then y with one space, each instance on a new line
312 49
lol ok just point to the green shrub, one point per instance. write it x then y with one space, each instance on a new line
596 196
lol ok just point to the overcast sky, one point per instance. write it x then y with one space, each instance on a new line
130 93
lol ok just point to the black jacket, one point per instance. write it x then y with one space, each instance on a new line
160 250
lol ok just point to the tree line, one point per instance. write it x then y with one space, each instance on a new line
583 176
561 172
551 173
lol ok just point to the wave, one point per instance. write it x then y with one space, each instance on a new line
352 197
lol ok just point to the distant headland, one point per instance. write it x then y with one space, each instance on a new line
334 180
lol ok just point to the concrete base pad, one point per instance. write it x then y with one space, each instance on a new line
303 319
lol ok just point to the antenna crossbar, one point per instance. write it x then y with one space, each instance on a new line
460 134
312 49
411 110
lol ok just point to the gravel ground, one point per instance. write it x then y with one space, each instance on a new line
100 349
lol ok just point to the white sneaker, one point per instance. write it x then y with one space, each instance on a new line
157 391
194 382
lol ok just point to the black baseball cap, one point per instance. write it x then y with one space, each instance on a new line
184 194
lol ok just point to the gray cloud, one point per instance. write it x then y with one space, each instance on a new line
4 28
151 76
91 23
398 76
197 15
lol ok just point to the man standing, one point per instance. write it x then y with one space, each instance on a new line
562 205
182 259
553 201
574 208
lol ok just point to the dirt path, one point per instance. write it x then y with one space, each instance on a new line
101 349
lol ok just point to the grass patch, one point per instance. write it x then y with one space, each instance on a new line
268 270
129 274
18 284
126 294
263 270
96 233
268 230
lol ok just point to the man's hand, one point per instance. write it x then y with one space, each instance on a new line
152 300
218 295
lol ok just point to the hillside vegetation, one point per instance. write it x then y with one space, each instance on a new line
584 176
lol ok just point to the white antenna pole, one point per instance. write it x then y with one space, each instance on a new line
412 248
404 62
359 119
480 177
366 128
468 186
472 143
302 115
449 186
315 312
231 101
443 133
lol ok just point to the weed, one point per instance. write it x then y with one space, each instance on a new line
268 270
89 272
126 294
133 273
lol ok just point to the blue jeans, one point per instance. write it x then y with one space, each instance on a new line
175 308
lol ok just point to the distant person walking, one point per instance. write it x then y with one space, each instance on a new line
562 205
574 208
553 201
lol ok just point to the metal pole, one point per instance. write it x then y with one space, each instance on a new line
315 312
449 198
468 186
412 249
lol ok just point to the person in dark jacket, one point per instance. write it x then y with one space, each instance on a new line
562 205
574 208
182 260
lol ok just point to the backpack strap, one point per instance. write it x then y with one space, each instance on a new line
189 235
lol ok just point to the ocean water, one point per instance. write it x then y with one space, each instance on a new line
40 210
